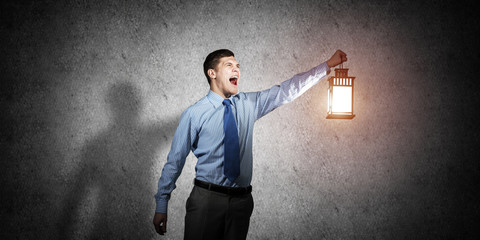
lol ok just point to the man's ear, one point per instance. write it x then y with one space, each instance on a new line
211 73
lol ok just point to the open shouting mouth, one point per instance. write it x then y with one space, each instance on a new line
234 80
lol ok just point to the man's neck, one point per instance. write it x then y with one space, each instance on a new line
221 94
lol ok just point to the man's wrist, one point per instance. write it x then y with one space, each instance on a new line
329 63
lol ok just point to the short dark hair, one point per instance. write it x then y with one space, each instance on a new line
212 60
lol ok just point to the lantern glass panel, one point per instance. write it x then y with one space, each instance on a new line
342 99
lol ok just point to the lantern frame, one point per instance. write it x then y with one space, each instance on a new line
341 79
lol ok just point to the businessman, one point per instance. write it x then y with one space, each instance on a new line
218 129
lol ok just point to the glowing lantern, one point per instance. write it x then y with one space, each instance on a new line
340 95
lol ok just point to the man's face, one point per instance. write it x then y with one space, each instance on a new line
224 78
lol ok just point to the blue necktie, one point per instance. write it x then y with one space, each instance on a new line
231 146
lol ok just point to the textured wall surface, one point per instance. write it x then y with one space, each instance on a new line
92 94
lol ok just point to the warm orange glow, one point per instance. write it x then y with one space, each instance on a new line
342 99
340 95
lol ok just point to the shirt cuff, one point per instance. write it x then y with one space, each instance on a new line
323 69
162 206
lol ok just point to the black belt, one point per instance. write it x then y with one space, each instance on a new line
222 189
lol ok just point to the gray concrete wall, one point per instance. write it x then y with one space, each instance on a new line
92 94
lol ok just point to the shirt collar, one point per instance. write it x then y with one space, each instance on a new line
216 100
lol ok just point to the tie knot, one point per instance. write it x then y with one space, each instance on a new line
226 102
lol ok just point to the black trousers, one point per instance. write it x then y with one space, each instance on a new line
212 215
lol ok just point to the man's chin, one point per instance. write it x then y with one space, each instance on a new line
233 90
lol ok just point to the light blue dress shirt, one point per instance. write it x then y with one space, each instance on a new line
201 131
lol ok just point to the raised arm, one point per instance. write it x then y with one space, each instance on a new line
287 91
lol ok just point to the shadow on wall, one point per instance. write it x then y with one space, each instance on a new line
111 197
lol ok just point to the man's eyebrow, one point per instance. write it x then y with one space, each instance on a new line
231 62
